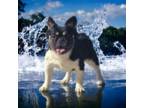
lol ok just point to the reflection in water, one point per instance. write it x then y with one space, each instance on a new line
84 100
69 95
49 99
111 96
28 99
99 97
75 100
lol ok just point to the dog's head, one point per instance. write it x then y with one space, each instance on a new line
61 39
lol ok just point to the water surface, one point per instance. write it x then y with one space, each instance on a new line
113 95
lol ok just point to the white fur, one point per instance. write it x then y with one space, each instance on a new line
63 62
66 78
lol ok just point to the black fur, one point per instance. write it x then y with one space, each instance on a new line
80 44
83 49
61 41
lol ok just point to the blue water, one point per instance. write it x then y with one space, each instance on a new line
113 95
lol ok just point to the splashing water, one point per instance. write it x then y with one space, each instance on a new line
31 67
120 47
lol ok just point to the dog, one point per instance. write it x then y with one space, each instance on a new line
69 51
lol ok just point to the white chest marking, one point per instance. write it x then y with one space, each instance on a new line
61 61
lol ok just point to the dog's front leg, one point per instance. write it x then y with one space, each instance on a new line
48 76
79 81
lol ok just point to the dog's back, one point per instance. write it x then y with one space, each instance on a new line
83 50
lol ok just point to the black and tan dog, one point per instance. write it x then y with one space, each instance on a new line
69 50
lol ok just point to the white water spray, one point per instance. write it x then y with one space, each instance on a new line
33 64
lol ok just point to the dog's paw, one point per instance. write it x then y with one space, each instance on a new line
100 83
79 88
64 81
43 88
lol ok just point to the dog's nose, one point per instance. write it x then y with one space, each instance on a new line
61 43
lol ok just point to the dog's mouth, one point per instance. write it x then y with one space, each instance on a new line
60 50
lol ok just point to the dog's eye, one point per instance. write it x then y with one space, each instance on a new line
57 33
64 33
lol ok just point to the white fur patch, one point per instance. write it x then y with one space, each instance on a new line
61 61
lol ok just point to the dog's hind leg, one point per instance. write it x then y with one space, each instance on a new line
66 78
96 67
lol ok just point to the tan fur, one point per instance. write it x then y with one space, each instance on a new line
96 68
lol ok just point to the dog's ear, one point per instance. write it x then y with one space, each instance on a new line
51 23
71 22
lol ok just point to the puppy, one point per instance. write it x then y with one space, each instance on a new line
69 50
